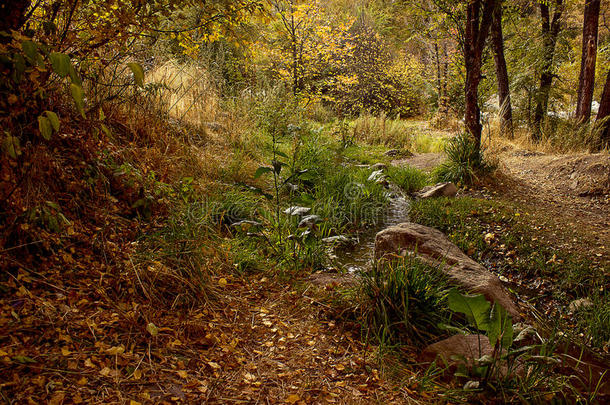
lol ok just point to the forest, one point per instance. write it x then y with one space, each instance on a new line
304 201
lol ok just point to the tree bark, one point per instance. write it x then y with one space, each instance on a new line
479 16
506 111
550 31
603 115
586 81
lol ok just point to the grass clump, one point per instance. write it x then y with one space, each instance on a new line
345 197
405 301
593 320
465 162
409 179
380 130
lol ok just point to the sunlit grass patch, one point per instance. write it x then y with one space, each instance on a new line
409 179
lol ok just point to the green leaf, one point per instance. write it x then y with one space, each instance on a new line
79 98
282 154
106 130
74 77
138 73
31 52
500 326
23 359
11 146
45 127
475 307
54 119
262 170
152 329
60 62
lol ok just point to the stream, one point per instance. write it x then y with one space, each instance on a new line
359 258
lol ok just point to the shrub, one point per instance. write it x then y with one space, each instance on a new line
464 161
405 300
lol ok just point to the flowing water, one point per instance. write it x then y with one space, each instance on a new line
360 258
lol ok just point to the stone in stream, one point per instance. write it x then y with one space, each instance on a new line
309 221
434 248
378 177
297 211
340 240
438 190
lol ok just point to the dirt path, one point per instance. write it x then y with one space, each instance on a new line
422 161
568 192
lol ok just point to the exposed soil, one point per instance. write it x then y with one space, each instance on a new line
571 193
422 161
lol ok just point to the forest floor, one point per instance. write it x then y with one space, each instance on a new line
262 339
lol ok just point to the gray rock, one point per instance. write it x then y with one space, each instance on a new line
340 240
379 166
297 211
458 349
438 190
309 221
434 248
581 303
469 350
245 224
378 177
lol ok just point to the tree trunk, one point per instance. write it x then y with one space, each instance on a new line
479 15
550 31
12 14
506 110
603 115
586 81
445 98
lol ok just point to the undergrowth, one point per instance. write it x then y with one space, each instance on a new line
465 162
404 301
497 236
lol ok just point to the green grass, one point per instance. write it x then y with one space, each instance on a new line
404 302
392 133
409 179
464 164
365 154
425 142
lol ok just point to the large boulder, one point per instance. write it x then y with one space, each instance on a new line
434 248
458 348
438 190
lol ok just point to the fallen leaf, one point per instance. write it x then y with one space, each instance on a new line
293 399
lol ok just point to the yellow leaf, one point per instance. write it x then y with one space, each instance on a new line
152 329
183 374
222 282
113 351
132 402
293 399
137 374
105 371
83 381
214 365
